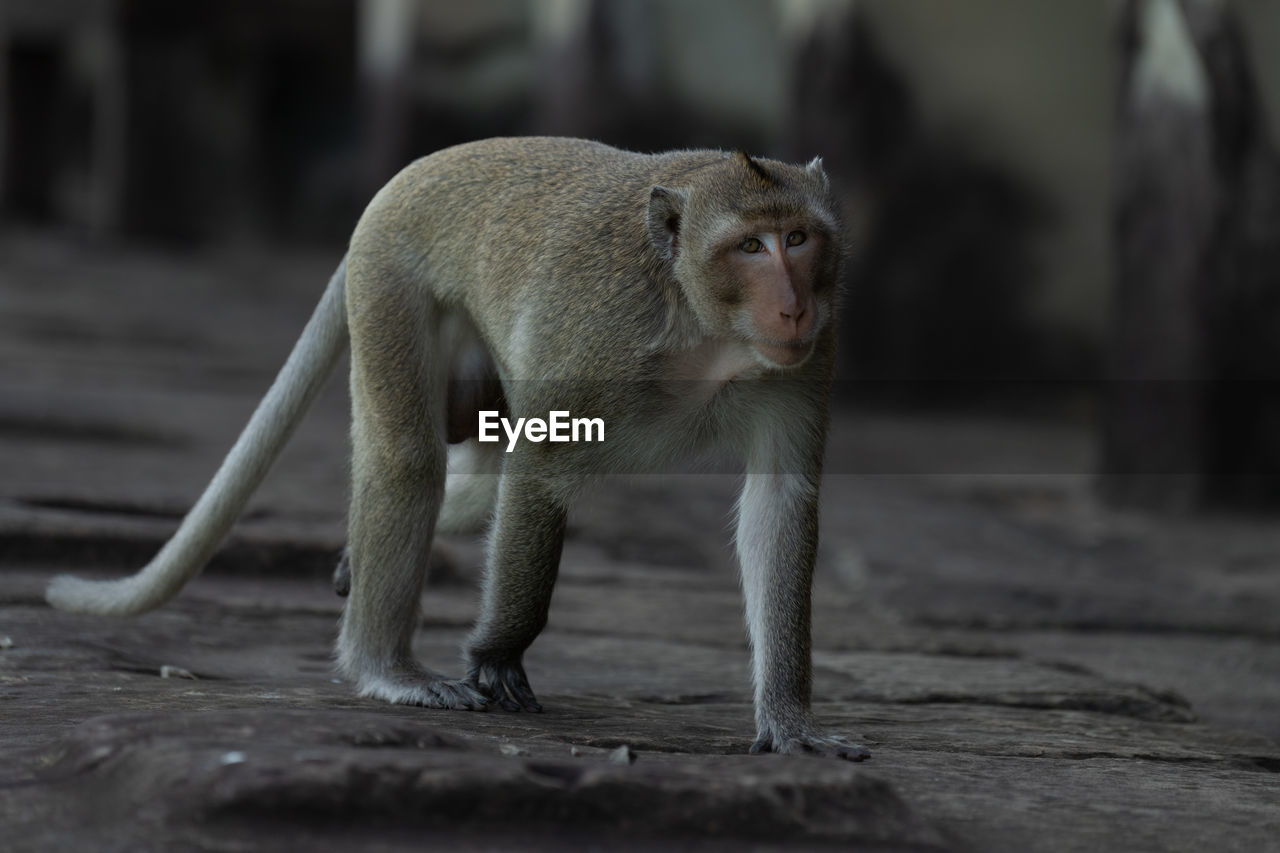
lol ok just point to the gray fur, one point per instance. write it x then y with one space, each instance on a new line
584 279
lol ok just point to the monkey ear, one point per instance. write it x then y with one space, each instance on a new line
666 207
815 170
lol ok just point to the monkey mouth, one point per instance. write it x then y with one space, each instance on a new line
783 353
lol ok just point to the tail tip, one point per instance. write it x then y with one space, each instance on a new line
77 595
66 592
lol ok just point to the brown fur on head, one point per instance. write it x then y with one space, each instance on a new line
766 180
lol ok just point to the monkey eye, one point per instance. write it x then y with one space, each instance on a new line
795 238
751 245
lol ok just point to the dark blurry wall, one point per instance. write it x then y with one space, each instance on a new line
269 119
177 121
974 142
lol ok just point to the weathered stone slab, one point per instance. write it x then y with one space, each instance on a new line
1231 681
303 772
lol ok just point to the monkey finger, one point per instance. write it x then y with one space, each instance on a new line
832 747
511 700
517 687
828 746
492 691
515 697
524 696
507 685
459 696
509 704
852 752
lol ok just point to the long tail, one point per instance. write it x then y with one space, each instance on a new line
200 533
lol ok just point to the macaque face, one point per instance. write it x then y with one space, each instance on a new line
775 307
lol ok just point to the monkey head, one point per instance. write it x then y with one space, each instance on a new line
756 249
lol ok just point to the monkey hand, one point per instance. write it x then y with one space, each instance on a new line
504 682
811 743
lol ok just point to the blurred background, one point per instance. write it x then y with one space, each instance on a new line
1061 211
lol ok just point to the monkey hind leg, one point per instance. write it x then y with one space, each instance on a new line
398 476
377 653
383 571
471 490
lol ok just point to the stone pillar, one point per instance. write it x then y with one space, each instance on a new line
1165 210
1192 412
385 42
5 119
109 96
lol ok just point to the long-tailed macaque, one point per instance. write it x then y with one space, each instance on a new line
684 298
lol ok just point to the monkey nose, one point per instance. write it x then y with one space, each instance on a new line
795 320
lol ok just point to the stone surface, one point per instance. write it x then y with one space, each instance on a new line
207 774
1030 671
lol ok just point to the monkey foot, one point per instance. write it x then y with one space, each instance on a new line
813 744
504 683
425 688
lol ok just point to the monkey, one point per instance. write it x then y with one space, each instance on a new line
687 298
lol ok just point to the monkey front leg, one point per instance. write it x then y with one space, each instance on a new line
777 540
523 560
